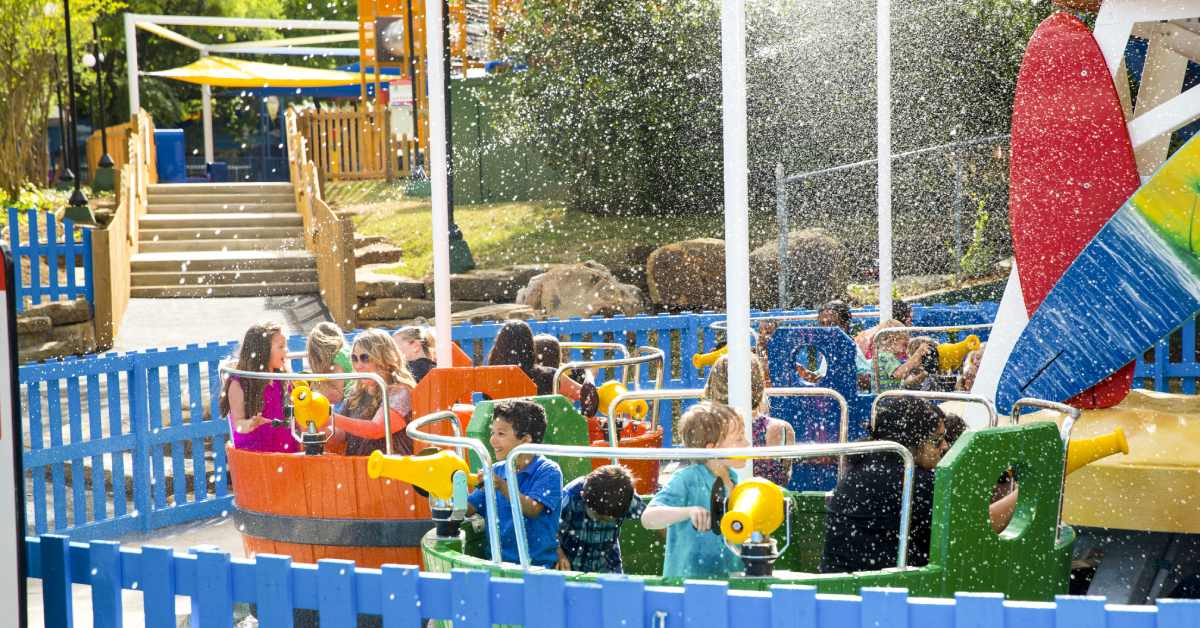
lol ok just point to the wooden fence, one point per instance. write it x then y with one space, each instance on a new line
329 237
355 145
118 147
114 245
43 244
401 595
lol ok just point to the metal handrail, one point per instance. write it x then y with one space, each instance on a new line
879 333
812 450
932 395
1064 432
673 394
843 407
723 324
489 483
571 345
645 355
225 370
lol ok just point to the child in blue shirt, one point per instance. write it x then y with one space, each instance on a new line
682 507
593 508
539 482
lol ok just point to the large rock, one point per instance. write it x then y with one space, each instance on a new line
62 312
78 338
393 309
374 286
494 312
493 285
33 324
818 270
688 275
585 289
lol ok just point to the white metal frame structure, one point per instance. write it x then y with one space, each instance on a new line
295 46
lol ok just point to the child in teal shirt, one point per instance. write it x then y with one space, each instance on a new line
682 506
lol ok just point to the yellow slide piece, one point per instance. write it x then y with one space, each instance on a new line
952 355
310 406
610 390
434 473
755 505
1156 487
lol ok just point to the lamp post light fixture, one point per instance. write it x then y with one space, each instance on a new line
104 177
77 209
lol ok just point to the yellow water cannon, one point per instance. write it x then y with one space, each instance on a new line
1084 451
441 475
610 390
753 511
701 360
951 355
310 409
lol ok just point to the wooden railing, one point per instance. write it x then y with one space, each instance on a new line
118 147
355 145
329 237
114 245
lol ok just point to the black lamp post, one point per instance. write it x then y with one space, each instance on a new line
461 259
77 209
65 175
103 177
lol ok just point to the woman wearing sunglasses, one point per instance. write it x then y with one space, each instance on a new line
863 516
360 426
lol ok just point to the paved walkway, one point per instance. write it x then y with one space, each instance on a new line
176 322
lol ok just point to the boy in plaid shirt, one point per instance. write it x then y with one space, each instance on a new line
593 508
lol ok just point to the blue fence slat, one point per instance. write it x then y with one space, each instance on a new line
470 599
56 581
335 593
273 590
196 417
884 607
78 485
96 431
220 486
89 273
793 606
623 602
545 600
105 577
157 582
154 423
212 604
706 604
116 457
139 425
34 289
1078 612
57 473
33 396
400 600
52 256
979 610
175 407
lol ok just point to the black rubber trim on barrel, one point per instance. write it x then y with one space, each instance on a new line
346 532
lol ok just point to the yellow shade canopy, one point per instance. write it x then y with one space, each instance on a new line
225 72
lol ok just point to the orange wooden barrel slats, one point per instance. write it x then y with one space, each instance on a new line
645 472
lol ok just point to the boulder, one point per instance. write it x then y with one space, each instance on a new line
43 351
494 312
62 312
377 253
393 308
818 269
33 324
493 285
373 286
585 289
77 338
688 274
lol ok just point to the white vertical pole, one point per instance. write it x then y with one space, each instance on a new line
131 64
737 230
883 112
438 179
206 114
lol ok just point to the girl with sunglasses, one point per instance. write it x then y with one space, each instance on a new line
360 426
863 515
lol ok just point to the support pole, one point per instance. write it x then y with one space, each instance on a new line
957 204
206 114
737 230
883 113
131 64
781 220
439 183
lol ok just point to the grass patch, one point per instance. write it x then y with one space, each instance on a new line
504 234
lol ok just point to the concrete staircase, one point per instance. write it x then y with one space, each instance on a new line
222 240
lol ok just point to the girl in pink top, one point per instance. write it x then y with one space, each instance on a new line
253 404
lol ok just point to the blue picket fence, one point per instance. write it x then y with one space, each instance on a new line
39 241
403 596
120 443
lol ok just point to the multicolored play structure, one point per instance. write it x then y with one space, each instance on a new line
1103 215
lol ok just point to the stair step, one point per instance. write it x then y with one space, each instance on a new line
177 221
215 197
234 290
245 206
218 233
221 188
221 244
221 261
222 278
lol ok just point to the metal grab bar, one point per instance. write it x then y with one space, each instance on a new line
879 333
843 408
645 355
931 395
815 450
1064 432
458 442
225 370
657 395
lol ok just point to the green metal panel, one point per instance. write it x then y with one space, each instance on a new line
565 426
